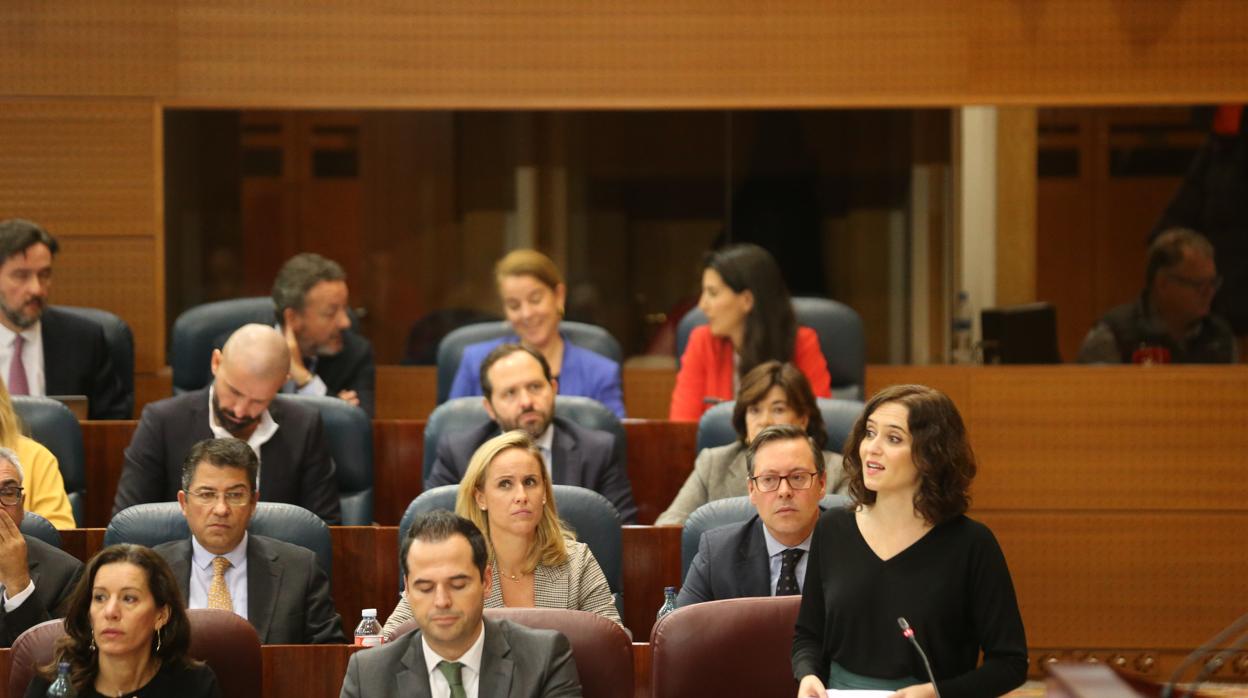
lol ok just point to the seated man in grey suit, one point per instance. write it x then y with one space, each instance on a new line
242 402
456 652
36 577
766 555
520 394
278 587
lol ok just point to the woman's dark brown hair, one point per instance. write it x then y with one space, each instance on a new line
759 381
76 647
939 447
770 327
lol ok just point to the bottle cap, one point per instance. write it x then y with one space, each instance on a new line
370 612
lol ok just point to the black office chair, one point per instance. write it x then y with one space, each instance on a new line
350 434
841 339
55 426
451 348
715 427
161 522
36 526
721 512
120 342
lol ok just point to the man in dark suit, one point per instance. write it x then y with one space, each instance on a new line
766 555
45 351
295 465
456 651
520 394
326 357
36 578
278 587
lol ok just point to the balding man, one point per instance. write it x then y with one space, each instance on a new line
295 466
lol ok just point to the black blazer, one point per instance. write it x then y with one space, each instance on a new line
76 362
295 465
54 573
582 457
352 368
732 562
288 599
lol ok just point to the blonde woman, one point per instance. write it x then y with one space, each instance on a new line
535 561
43 488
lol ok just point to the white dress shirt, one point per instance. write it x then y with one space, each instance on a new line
235 576
470 674
544 444
32 357
775 559
263 432
12 603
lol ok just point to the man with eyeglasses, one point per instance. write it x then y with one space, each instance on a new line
278 587
766 555
35 577
1171 321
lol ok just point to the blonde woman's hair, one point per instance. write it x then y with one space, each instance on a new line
529 263
10 424
548 547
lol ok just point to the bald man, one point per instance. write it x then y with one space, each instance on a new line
241 402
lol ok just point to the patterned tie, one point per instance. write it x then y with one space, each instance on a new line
17 369
786 585
451 670
219 593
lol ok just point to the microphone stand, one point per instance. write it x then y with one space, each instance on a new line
1237 626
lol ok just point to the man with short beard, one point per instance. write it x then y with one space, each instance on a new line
43 350
242 402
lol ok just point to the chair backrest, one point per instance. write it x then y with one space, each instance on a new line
55 426
841 339
350 434
36 526
222 639
198 328
746 640
721 512
451 348
468 413
592 516
161 522
120 342
715 427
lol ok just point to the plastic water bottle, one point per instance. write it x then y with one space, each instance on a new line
669 602
62 687
368 632
963 345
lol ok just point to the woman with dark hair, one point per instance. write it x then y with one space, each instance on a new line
749 320
126 632
772 393
906 549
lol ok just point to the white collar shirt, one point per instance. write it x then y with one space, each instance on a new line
263 432
235 576
545 443
470 674
32 357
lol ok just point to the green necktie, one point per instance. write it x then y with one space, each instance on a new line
451 670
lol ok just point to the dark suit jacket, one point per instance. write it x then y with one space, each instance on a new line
515 662
732 562
288 598
54 573
582 457
295 465
76 362
350 369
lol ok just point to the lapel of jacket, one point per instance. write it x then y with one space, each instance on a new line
496 664
413 680
264 579
565 452
55 351
753 564
181 567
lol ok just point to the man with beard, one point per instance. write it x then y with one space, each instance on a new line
43 350
242 402
326 357
520 394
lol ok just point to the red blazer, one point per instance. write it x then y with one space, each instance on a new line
706 371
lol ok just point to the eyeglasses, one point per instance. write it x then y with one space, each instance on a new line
1210 284
11 496
771 483
208 498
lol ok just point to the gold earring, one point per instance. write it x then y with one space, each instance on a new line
157 640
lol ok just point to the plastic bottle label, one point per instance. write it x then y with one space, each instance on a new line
368 640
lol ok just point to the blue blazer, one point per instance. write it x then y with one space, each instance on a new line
584 373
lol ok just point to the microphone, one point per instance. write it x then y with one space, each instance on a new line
909 633
1235 627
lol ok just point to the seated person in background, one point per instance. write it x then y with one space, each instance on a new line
749 320
36 578
907 549
45 351
766 555
288 437
520 394
326 357
771 393
533 295
457 651
534 560
126 633
1171 316
278 587
43 486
